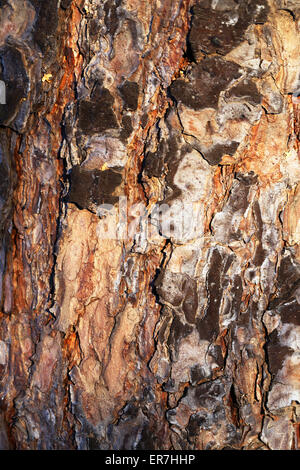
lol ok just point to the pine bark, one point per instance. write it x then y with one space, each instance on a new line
160 339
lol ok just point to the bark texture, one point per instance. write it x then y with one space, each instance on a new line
163 342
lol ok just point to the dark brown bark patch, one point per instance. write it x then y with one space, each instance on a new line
245 90
204 82
277 353
178 331
97 116
216 153
92 188
130 92
218 28
13 73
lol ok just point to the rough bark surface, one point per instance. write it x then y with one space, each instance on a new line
165 341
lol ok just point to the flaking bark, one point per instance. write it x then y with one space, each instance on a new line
177 341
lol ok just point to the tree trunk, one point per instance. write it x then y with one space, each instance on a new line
150 233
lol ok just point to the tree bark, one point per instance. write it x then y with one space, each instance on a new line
155 335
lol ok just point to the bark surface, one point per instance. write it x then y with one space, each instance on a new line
165 339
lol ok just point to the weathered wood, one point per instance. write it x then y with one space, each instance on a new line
184 336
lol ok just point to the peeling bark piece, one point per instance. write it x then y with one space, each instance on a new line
90 189
180 291
272 98
214 155
163 159
98 116
168 287
204 82
130 92
190 303
219 26
154 162
178 331
225 223
245 90
219 263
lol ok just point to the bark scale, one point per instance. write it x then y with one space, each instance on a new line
164 339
